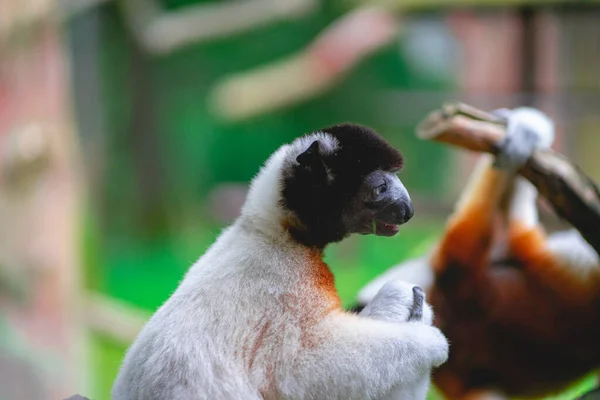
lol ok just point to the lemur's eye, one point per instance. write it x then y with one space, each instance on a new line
381 189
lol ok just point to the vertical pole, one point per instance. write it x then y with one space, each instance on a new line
528 55
39 209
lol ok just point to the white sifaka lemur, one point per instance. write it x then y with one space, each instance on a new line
258 315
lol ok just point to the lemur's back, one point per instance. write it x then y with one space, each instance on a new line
180 353
232 312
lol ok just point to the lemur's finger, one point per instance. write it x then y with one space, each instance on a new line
416 313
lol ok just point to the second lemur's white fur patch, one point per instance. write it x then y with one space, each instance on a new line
573 250
416 271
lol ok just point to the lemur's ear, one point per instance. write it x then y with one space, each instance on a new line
311 156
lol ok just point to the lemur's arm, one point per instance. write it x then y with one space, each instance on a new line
400 301
366 358
563 262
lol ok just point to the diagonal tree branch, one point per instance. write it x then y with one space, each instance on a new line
162 32
309 72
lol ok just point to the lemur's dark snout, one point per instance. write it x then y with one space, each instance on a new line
409 212
385 204
398 212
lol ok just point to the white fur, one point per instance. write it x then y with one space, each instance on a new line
395 287
393 303
481 166
245 324
573 251
530 118
523 207
527 129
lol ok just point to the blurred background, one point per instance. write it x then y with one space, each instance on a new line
129 130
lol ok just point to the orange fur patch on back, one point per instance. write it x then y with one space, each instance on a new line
317 299
322 280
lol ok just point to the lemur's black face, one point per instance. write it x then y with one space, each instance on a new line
381 204
351 188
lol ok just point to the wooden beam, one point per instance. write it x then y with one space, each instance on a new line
423 5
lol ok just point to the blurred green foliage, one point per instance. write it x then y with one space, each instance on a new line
165 152
198 151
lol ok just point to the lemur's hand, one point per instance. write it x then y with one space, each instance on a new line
399 301
528 129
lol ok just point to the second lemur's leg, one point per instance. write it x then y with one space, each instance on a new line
529 130
563 261
469 231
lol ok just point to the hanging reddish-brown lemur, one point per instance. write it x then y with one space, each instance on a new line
521 309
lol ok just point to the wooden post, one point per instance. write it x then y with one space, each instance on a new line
39 208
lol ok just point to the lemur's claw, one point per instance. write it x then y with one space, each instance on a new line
416 313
